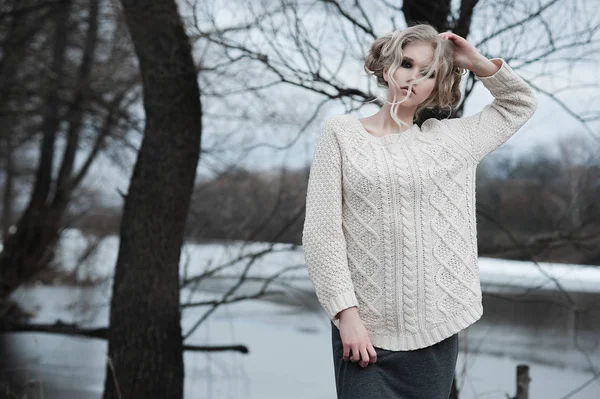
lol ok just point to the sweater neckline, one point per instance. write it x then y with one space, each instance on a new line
385 139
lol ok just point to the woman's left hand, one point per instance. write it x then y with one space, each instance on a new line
466 56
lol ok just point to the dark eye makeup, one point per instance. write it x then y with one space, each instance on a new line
407 63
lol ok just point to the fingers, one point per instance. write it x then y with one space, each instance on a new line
365 357
451 36
372 354
346 353
355 354
356 343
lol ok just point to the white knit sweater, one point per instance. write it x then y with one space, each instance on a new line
390 221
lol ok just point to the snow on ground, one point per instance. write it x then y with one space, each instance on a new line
495 274
290 353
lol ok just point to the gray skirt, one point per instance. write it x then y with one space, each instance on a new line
425 373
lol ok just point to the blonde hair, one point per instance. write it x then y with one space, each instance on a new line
386 54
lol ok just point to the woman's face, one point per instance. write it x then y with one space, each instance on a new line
417 57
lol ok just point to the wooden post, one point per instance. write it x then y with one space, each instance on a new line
522 382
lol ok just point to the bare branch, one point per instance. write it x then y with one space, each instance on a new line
101 333
568 110
518 23
257 295
368 28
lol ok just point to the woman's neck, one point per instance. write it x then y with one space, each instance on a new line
384 122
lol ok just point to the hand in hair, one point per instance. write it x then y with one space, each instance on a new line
466 56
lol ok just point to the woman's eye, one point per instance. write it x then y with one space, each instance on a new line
425 73
406 64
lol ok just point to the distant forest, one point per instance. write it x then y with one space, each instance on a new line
541 205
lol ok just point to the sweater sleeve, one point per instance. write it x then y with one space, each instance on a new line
323 239
514 103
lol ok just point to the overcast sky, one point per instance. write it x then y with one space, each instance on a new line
549 124
275 116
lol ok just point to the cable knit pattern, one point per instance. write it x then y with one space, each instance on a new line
390 221
360 226
409 248
387 200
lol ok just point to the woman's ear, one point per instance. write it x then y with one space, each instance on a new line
385 73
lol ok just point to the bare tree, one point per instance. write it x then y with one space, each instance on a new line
285 46
145 344
69 90
281 46
22 252
288 44
547 200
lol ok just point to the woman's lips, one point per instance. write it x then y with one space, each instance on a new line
406 88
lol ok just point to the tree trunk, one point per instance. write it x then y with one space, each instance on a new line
433 12
145 340
64 182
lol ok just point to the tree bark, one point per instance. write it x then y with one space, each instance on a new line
433 12
145 341
463 25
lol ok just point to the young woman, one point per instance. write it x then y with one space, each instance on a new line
390 238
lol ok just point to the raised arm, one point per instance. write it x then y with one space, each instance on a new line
322 236
514 103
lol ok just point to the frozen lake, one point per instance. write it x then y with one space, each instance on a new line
527 319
